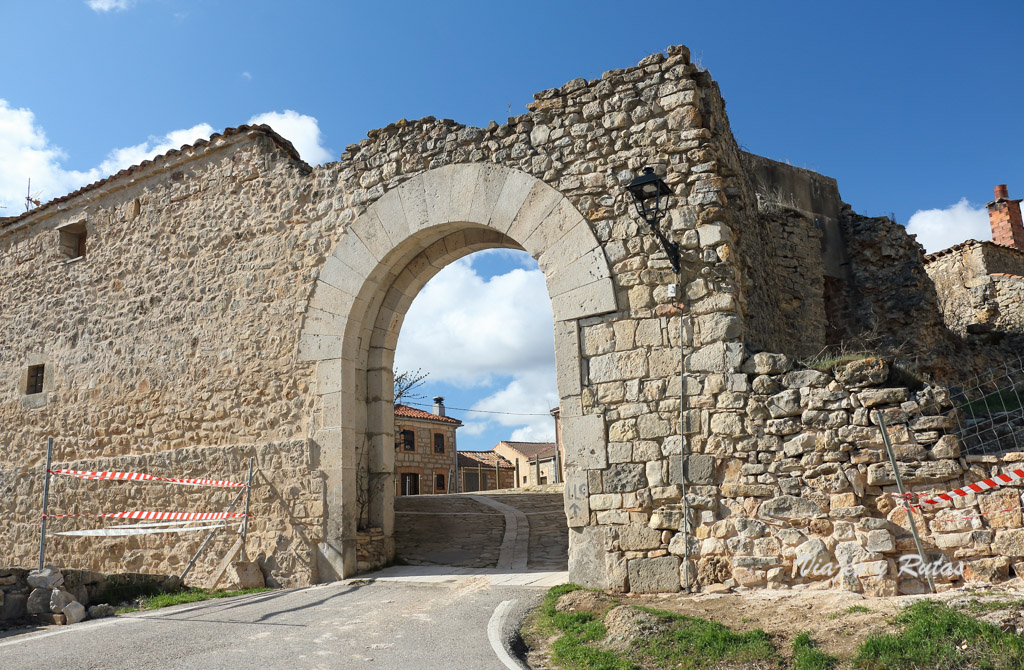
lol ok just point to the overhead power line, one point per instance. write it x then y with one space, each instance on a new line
480 411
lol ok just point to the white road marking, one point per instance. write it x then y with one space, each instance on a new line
494 627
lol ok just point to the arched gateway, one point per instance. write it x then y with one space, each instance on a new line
369 281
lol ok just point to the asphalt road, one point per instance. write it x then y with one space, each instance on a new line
379 625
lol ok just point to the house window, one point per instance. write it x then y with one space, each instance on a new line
409 440
438 483
438 443
72 240
524 479
35 379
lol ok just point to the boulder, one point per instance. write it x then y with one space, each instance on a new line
74 612
39 601
59 599
101 611
244 575
47 578
14 607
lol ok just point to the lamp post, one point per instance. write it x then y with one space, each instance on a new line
650 196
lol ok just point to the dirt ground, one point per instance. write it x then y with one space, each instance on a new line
785 614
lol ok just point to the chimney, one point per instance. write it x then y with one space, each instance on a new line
439 405
1004 217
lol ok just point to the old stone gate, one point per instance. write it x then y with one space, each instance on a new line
226 300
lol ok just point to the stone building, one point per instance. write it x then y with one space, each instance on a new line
425 449
980 285
535 462
484 471
227 300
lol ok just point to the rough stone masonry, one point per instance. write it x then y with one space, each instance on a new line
227 300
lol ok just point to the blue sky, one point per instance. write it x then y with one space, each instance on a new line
915 107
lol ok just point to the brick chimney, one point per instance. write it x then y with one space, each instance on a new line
439 400
1004 217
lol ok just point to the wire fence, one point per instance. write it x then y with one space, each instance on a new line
990 406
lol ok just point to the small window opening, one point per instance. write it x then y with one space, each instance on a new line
35 379
72 240
438 483
408 440
438 443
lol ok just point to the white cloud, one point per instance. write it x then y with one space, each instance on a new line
27 153
301 130
109 5
464 329
247 76
474 332
939 229
118 159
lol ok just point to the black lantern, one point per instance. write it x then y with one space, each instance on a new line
650 195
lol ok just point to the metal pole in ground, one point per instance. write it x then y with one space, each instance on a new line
245 519
899 486
682 440
192 561
46 500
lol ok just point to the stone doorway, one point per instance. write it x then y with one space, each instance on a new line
368 283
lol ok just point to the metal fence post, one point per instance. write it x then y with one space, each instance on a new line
899 486
245 519
46 499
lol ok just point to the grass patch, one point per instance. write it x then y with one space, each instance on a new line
829 362
935 636
976 607
692 644
852 609
807 656
193 595
687 644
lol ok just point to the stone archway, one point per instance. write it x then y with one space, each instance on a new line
371 278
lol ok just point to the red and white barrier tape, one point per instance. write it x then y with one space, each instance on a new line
156 516
977 487
141 477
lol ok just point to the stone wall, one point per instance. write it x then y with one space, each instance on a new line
791 487
287 507
980 286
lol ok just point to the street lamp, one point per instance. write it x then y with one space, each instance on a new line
650 195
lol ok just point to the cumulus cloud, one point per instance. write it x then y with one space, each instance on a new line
118 159
109 5
464 329
478 332
301 130
939 229
28 153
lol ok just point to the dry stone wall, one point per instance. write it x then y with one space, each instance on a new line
980 286
791 488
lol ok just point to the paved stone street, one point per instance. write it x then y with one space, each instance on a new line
516 531
353 625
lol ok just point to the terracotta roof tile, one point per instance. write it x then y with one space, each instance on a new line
413 413
485 459
198 144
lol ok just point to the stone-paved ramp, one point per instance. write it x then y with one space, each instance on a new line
511 532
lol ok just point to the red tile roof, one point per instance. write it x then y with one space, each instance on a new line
262 128
484 459
407 412
532 449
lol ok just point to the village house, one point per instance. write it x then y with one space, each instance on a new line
484 471
424 450
534 462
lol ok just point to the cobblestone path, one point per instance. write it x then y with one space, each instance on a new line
460 530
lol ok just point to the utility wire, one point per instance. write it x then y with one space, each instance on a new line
478 411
